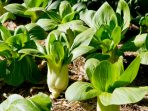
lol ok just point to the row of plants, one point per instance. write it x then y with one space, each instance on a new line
58 32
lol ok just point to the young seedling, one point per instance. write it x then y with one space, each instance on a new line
108 83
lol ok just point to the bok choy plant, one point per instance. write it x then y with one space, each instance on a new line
110 27
15 102
60 49
17 68
108 83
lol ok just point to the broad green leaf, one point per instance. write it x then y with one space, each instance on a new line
105 15
84 38
57 52
104 76
81 50
53 6
23 105
20 29
4 33
4 46
54 16
123 95
17 41
36 3
42 101
140 39
116 35
3 64
47 24
87 17
144 58
6 16
74 25
15 102
6 104
68 17
35 13
129 74
123 8
35 31
90 67
79 7
15 8
65 9
80 91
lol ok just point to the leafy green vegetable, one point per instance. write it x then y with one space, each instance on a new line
39 102
108 83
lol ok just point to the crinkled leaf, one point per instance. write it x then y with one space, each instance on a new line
15 8
123 95
80 91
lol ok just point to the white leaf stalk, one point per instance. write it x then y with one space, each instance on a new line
101 107
57 78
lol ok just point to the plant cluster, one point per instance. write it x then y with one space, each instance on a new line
70 29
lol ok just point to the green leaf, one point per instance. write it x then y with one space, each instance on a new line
65 9
105 15
15 102
140 40
3 64
84 38
47 24
53 5
87 17
144 58
68 17
36 3
74 25
20 29
54 16
35 13
104 76
7 16
33 52
80 91
57 52
18 41
15 8
129 74
6 104
123 95
42 101
90 67
123 8
81 50
116 35
35 31
5 33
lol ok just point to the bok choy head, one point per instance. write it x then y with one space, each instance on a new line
108 84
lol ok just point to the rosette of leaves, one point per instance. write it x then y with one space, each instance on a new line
17 68
63 19
60 49
108 84
110 27
38 102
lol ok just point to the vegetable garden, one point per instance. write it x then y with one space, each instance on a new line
74 55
